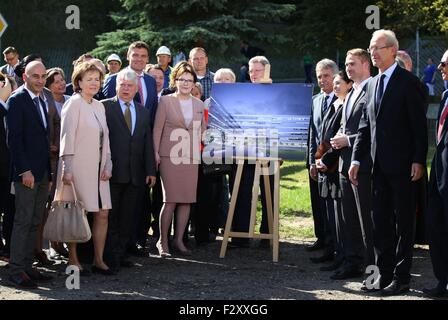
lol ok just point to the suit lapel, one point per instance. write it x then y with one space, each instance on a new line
35 111
445 124
197 114
178 110
387 92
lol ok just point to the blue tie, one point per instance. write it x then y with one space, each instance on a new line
379 92
37 104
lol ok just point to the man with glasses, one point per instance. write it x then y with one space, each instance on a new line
394 131
438 196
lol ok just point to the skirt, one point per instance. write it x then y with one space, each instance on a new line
179 181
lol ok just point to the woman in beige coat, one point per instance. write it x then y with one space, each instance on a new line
85 157
177 137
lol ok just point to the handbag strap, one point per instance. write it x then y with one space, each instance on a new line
62 191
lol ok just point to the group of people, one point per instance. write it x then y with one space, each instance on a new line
117 141
367 154
111 137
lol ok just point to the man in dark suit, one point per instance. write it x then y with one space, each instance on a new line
138 57
28 138
437 217
132 152
325 71
394 131
355 221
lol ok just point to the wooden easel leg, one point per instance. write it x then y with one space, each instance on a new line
276 210
236 187
267 190
253 208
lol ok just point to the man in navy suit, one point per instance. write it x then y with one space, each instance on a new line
28 138
394 132
438 192
138 57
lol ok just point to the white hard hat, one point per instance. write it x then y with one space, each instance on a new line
113 57
163 50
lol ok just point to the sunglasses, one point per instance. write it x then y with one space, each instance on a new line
443 64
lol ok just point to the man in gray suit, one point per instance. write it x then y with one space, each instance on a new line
132 152
355 222
325 71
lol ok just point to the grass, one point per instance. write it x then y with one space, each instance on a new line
295 205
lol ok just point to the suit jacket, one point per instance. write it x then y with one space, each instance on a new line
28 139
132 155
315 127
395 134
109 91
169 119
4 152
54 125
439 165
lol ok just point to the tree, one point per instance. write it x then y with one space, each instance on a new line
180 25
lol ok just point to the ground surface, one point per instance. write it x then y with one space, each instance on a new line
242 274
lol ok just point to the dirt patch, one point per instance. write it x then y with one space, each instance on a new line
243 274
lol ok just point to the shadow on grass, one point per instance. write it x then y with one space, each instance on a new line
291 170
289 212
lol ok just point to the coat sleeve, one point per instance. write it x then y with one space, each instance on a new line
69 125
312 139
16 124
362 142
159 124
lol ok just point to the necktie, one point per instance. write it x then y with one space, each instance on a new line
36 103
325 105
140 90
442 121
128 116
379 92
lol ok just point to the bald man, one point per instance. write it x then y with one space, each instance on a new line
28 137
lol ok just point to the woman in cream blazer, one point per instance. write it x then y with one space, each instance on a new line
177 137
85 159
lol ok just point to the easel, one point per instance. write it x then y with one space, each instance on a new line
261 169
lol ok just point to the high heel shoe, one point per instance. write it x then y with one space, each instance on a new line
162 253
104 272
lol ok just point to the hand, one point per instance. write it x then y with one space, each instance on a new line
151 181
339 141
5 90
67 178
53 148
321 166
313 172
105 175
50 184
416 171
353 174
28 179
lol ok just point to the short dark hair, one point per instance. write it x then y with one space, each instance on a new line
344 76
19 70
81 70
51 73
10 50
139 45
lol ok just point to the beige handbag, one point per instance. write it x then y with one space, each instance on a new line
67 221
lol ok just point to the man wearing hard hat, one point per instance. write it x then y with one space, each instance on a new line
163 60
113 64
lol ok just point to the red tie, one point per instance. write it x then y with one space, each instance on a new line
442 121
140 90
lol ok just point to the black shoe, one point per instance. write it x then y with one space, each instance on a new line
317 245
22 280
137 251
347 273
37 276
438 291
322 259
395 288
104 272
332 267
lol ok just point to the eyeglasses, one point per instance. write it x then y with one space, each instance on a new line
187 81
443 64
371 49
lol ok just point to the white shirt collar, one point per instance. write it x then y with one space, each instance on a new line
361 85
123 103
30 92
388 72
